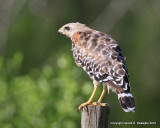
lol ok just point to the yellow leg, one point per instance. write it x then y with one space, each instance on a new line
89 102
102 95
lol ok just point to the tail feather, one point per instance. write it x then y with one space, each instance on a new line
126 101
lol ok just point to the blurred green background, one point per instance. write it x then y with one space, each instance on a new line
40 84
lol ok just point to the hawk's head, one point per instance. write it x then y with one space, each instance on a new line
70 28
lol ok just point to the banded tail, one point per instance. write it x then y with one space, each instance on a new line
126 101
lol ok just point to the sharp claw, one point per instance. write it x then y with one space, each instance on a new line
79 108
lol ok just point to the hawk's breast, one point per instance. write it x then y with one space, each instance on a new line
86 52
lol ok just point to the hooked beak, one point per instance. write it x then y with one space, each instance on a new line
60 31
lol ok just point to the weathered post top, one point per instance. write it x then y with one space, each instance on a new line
95 116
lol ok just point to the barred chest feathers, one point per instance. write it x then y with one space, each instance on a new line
89 64
82 60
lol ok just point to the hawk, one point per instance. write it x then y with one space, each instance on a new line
101 57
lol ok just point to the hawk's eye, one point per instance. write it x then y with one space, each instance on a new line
67 28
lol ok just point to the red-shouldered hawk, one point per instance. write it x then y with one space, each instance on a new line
101 57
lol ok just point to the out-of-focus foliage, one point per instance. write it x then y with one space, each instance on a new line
41 98
41 86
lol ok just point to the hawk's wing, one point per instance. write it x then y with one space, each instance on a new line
114 61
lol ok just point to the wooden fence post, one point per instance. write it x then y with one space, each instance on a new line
95 116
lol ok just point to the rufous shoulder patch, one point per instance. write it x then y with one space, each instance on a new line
76 37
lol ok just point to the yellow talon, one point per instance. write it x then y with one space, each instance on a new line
101 104
83 105
86 103
89 102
